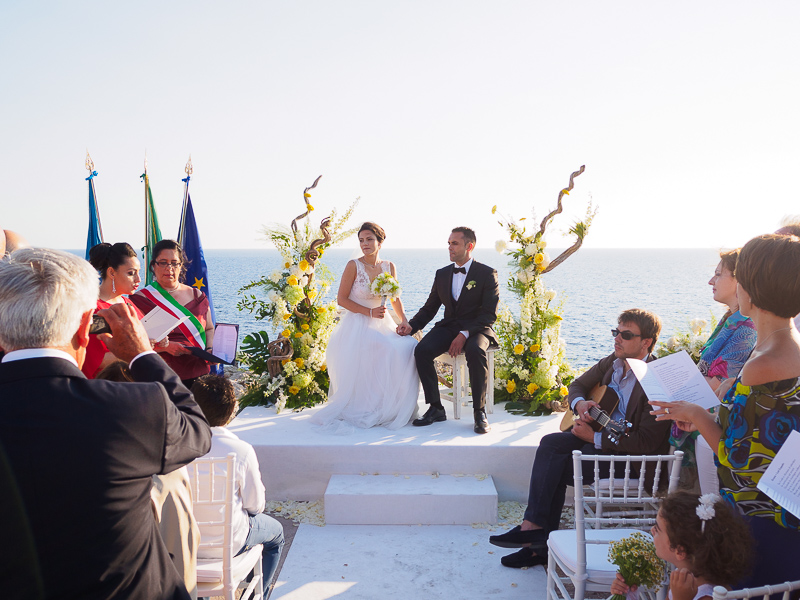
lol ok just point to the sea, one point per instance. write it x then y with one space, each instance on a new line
594 285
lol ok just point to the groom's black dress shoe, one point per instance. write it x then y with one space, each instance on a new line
481 424
523 558
434 414
516 538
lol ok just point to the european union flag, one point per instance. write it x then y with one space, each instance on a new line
95 235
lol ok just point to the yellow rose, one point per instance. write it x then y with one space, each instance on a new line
323 367
309 207
312 294
298 335
511 386
304 326
306 195
293 390
539 258
321 309
286 333
532 387
284 361
321 251
519 349
299 362
287 264
535 348
287 316
563 391
303 264
292 280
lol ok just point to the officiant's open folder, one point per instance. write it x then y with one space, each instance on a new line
226 341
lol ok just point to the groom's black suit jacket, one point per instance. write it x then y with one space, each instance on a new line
77 457
476 309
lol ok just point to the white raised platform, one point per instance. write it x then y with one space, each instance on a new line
297 461
410 500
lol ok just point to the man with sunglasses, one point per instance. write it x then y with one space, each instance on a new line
635 337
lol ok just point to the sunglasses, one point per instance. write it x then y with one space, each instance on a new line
626 335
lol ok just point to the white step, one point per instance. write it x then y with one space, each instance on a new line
410 500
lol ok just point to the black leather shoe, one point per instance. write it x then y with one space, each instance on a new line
434 414
516 538
481 423
523 558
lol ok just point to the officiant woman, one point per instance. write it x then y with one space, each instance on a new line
168 291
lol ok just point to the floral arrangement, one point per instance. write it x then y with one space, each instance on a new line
531 371
295 306
692 340
385 285
638 562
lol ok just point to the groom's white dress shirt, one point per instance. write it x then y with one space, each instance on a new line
458 284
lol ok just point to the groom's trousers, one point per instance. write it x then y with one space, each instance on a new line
435 343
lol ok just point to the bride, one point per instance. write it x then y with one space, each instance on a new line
372 371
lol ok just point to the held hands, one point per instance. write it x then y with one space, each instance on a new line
128 337
404 328
682 585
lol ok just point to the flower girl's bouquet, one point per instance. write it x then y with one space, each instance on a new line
385 285
638 562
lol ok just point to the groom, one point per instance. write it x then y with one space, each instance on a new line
470 294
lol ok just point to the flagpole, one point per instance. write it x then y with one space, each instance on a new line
95 235
182 229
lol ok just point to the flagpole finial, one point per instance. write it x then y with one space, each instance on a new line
188 168
89 162
145 162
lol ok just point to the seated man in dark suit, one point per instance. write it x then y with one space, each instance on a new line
635 337
80 454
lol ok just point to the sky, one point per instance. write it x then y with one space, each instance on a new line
684 113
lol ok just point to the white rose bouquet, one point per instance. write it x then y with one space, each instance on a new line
385 285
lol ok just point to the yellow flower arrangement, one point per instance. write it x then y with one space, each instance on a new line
286 333
299 362
293 390
292 280
303 265
511 386
305 327
535 347
532 387
519 349
538 258
563 391
298 335
286 317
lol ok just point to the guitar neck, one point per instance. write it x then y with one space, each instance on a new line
599 415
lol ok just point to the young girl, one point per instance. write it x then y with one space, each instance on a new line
705 539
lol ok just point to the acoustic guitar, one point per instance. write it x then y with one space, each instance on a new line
608 400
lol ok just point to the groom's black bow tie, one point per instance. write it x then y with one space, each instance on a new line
460 270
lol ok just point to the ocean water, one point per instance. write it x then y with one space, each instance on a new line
595 285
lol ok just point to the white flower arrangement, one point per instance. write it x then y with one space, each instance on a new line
692 341
386 285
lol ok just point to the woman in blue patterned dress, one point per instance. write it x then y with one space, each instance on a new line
721 358
761 407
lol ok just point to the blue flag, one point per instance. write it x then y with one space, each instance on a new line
95 235
197 271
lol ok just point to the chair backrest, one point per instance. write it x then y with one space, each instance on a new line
213 489
720 593
624 482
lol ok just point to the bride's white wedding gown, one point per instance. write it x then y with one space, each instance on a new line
373 375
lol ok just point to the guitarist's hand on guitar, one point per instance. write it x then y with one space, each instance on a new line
582 410
582 431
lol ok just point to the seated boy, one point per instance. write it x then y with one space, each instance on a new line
251 526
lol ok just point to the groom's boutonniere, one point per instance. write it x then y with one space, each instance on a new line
471 284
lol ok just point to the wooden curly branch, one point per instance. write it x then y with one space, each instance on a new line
311 256
279 350
305 199
558 208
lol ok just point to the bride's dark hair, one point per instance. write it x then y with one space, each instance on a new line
380 234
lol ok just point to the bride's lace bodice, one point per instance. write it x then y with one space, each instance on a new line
360 292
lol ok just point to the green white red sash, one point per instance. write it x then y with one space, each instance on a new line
192 328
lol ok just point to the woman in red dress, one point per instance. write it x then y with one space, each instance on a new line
118 266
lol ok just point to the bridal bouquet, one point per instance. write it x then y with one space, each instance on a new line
385 285
638 563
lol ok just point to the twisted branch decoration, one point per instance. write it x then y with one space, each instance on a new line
279 350
308 204
580 233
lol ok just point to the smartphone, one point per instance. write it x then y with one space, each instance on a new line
99 325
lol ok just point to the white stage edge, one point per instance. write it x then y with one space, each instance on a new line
297 461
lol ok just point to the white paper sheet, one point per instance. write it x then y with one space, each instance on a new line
674 378
158 323
226 338
781 481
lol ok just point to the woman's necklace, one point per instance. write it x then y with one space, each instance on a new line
761 342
